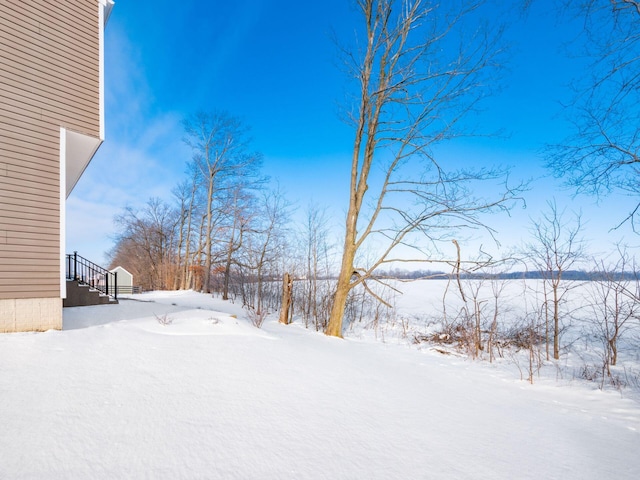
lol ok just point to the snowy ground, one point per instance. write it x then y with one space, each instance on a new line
117 394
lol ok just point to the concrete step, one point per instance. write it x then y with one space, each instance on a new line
83 295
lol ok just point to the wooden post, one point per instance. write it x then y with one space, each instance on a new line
287 289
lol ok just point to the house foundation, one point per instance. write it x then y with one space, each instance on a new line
30 314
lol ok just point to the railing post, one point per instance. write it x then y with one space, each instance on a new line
115 286
75 266
106 282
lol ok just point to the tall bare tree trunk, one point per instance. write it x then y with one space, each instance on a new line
556 322
365 133
177 266
233 246
227 266
207 246
343 287
334 327
186 274
287 290
546 318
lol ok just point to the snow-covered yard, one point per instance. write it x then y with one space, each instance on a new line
181 386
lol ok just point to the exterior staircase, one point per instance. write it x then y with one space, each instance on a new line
88 283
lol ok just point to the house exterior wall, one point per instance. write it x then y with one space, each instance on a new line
49 78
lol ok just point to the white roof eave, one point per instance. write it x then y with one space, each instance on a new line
108 6
80 149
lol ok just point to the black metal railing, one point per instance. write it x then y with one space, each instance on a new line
88 273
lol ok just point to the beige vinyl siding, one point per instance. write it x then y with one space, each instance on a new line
71 78
16 146
49 77
29 213
39 107
68 15
57 96
52 40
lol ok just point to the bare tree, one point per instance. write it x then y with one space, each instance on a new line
557 247
241 211
315 248
474 316
264 250
603 153
419 70
220 154
146 243
614 296
185 194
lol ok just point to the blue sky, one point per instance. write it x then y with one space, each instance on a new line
274 64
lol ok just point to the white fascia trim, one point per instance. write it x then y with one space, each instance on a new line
104 9
63 211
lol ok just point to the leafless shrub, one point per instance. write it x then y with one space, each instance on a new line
632 378
617 382
164 320
592 373
462 336
257 317
449 333
520 337
598 374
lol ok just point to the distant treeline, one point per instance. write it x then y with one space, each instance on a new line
575 275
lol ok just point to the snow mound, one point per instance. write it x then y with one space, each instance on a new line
121 395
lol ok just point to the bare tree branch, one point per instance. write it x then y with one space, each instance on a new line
422 69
